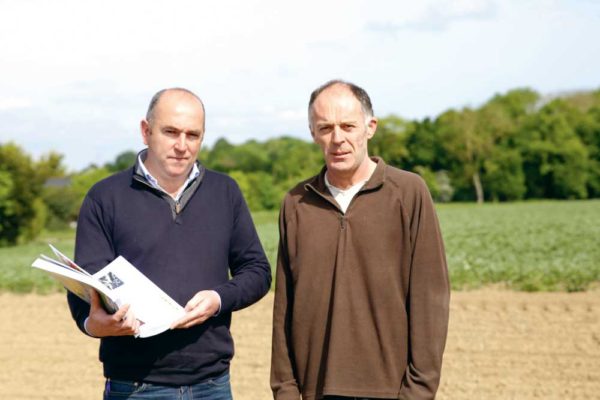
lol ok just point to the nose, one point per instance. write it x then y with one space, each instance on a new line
338 135
180 142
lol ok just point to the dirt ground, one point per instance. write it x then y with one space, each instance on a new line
501 345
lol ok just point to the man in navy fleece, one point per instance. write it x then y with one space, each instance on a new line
185 227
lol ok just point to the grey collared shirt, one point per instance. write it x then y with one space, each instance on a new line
154 182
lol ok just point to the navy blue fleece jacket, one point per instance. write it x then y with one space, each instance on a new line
211 243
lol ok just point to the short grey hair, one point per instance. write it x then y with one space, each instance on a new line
155 99
361 95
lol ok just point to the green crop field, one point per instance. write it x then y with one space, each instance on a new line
542 245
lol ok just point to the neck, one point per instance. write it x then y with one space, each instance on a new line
167 183
344 180
172 187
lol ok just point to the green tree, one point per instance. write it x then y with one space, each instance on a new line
389 141
424 146
467 145
22 213
221 157
258 189
292 160
555 159
123 161
82 182
582 112
504 178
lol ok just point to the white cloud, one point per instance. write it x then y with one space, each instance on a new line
76 75
431 15
11 103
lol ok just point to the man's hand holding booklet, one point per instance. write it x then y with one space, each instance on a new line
117 284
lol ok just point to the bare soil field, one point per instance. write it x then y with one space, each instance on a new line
501 345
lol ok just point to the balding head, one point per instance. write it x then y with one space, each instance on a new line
358 92
171 91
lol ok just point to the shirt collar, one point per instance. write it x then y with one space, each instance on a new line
375 181
194 173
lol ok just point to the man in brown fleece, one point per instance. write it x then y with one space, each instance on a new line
362 292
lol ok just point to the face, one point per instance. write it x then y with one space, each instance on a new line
173 136
341 128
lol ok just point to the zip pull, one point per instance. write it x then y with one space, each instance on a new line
177 208
342 222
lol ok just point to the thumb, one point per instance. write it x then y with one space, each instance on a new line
94 300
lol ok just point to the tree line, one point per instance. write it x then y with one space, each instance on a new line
517 145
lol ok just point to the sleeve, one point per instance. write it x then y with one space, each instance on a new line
248 264
93 251
283 377
428 301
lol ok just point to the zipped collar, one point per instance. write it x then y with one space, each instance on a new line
176 206
317 183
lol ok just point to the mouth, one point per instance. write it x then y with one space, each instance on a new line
178 159
339 154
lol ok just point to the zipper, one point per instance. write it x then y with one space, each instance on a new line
325 198
162 194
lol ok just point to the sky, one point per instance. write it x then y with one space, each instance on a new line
76 76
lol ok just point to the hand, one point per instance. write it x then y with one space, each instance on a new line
201 307
102 324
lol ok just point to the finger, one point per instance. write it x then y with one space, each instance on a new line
198 316
129 318
94 300
183 321
136 327
121 313
194 302
127 326
179 323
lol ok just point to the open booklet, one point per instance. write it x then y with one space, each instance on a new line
117 284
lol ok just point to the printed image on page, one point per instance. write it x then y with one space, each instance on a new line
66 260
155 309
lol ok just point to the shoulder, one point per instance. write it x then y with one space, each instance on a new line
407 188
217 177
221 188
219 182
405 181
111 185
296 193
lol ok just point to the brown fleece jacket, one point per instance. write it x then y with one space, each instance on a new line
361 298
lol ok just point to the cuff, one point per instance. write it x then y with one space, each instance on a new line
85 328
219 310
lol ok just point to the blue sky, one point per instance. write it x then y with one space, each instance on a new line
76 76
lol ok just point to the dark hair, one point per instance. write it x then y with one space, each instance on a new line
158 95
358 92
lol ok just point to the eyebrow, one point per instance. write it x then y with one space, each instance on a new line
346 122
174 128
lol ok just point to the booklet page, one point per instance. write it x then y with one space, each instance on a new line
150 304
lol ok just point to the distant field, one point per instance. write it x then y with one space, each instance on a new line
531 246
542 245
15 272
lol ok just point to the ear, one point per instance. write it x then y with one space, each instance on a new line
145 129
371 127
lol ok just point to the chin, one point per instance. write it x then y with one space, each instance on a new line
177 172
339 166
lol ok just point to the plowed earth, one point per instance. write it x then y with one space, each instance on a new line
501 345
